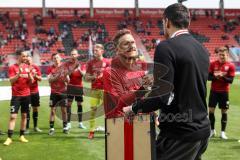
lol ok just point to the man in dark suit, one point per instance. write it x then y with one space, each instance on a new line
184 124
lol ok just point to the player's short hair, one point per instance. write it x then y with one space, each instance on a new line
119 34
74 49
99 46
178 14
54 54
226 48
19 52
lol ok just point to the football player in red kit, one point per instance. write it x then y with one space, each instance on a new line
20 78
75 90
58 83
123 81
221 73
94 74
124 77
34 98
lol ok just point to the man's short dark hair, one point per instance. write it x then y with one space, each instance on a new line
54 54
19 52
178 14
227 46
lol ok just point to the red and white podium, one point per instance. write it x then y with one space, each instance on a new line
130 139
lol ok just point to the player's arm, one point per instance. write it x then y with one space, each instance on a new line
52 78
230 76
83 73
115 96
67 79
211 76
89 77
13 75
14 78
81 70
123 98
38 76
228 79
30 76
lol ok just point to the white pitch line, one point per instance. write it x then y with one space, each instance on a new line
6 92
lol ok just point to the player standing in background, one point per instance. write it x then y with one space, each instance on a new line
58 96
94 74
75 90
35 98
20 78
221 73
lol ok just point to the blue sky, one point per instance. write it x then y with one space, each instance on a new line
118 3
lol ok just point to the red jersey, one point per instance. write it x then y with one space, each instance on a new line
34 86
59 85
120 85
22 86
228 69
96 67
76 77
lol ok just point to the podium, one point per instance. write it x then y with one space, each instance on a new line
130 139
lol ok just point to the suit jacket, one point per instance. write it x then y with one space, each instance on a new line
179 89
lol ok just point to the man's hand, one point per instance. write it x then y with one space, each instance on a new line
90 78
127 110
20 69
217 74
81 71
30 75
222 74
52 78
27 70
147 81
99 76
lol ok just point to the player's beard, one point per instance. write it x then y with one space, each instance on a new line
72 60
97 56
223 60
25 62
132 49
57 64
